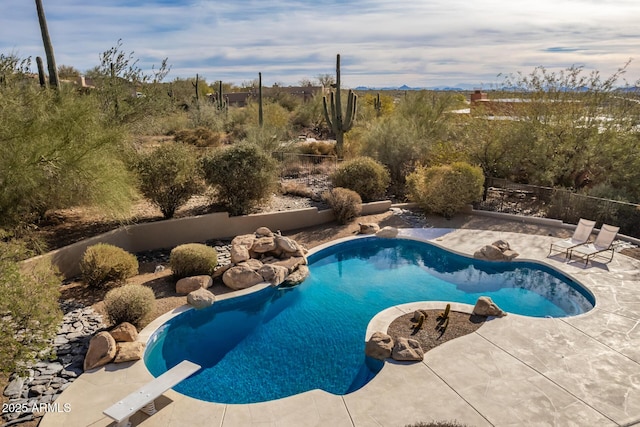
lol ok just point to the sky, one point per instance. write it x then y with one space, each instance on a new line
382 43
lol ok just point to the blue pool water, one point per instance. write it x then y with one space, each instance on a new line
280 342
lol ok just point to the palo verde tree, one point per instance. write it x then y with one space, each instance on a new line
570 124
119 78
57 150
338 123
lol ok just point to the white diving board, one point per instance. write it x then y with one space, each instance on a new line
143 398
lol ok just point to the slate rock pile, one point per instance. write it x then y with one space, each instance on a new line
46 379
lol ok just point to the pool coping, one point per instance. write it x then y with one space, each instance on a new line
512 368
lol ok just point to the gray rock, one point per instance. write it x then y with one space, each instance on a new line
14 388
37 390
51 369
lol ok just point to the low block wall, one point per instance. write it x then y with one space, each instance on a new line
169 233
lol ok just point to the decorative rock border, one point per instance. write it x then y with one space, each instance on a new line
45 380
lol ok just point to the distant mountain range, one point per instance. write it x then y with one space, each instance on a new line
458 87
468 87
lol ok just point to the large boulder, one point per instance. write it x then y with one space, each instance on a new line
245 240
379 346
220 270
369 228
264 244
253 264
264 256
407 349
264 232
486 307
189 284
102 350
129 351
497 251
274 274
200 298
124 332
291 263
241 277
297 277
239 253
286 244
387 232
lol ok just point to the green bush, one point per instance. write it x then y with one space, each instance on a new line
446 189
243 175
345 203
104 263
129 303
169 176
363 175
193 259
29 311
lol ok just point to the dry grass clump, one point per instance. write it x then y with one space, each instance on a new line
104 263
296 189
200 137
346 204
129 303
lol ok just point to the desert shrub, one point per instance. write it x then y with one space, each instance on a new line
29 311
446 189
236 123
243 175
396 143
169 176
104 263
193 259
293 188
345 203
129 303
309 114
363 175
200 137
318 148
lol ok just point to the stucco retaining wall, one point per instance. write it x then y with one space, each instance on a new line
173 232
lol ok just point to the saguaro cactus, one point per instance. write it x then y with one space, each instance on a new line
196 85
377 105
333 114
260 119
48 47
41 76
221 103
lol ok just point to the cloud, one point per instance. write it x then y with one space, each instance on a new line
381 42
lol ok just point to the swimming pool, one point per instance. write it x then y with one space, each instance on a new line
276 342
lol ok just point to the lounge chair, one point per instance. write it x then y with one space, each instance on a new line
580 236
603 243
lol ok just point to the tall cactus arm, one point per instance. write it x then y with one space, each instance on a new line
351 111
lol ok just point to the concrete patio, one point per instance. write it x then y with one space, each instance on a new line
514 371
